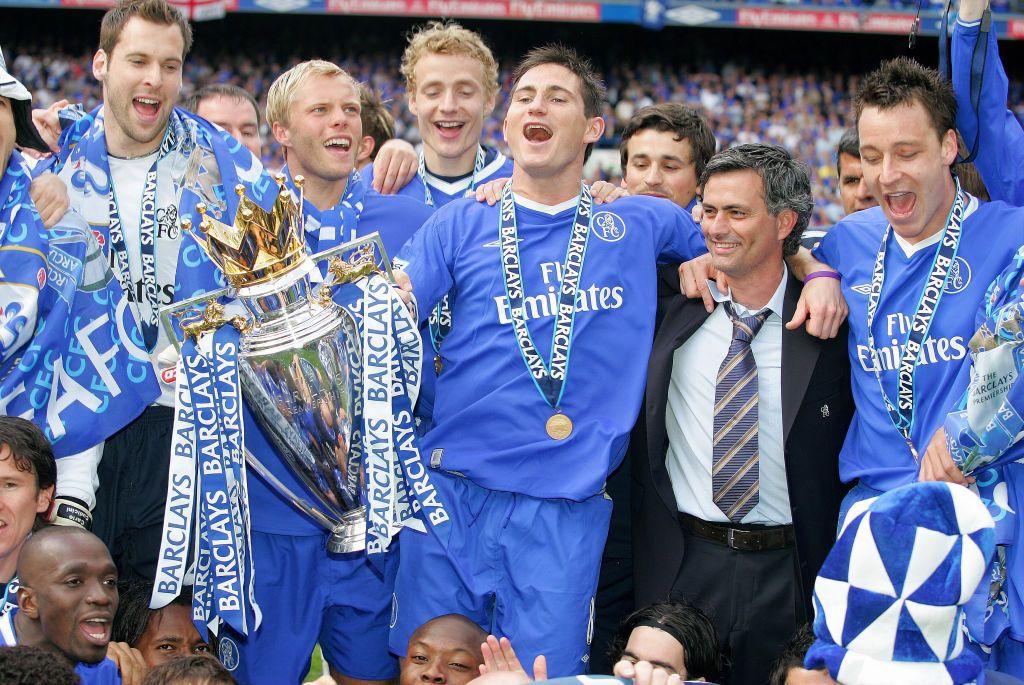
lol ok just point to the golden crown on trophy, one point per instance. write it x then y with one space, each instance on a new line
260 245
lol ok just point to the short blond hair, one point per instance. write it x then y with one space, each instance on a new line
448 38
279 97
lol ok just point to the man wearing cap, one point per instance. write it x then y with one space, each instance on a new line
50 276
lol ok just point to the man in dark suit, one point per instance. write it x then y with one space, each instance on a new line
736 480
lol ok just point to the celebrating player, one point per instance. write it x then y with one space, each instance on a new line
521 446
123 163
313 109
914 271
67 601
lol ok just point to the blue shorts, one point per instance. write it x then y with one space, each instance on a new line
309 596
521 567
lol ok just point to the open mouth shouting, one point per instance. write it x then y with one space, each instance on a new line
537 133
96 629
146 107
339 145
449 130
901 204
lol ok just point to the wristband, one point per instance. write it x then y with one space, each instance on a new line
821 274
69 511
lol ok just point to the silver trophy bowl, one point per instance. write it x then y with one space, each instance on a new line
297 367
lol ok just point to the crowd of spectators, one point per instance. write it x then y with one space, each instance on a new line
805 112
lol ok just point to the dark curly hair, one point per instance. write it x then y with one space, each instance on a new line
23 665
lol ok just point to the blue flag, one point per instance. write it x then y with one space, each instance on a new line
71 354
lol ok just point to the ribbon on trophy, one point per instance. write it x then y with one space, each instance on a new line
983 436
397 483
208 476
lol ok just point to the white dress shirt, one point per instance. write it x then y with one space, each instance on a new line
689 415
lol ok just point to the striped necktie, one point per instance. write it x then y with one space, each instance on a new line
735 474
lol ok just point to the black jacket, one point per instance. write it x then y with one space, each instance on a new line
817 406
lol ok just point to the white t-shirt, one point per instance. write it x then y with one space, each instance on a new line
129 179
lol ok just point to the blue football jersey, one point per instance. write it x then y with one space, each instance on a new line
489 417
496 165
875 451
396 219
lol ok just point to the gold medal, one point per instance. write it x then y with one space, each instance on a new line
437 365
559 427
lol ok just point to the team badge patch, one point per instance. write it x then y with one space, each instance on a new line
608 226
959 276
228 652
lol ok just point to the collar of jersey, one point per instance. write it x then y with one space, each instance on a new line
909 250
462 185
550 210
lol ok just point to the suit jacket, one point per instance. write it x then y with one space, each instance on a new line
817 406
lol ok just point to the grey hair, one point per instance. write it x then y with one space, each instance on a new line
787 182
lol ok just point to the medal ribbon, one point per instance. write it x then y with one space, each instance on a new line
548 377
902 413
440 321
147 239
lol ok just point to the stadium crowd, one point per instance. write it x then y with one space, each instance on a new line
803 112
806 506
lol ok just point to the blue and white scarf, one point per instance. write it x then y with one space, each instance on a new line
71 357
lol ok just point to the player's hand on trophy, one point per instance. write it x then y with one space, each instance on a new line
490 192
694 276
937 463
69 511
645 673
394 166
50 196
404 286
129 662
48 123
604 192
499 656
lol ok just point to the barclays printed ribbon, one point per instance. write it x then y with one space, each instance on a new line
902 412
207 466
70 360
549 377
398 485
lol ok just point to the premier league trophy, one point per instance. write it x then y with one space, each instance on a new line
277 337
300 353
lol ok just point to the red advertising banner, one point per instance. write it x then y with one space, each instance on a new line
547 10
823 20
